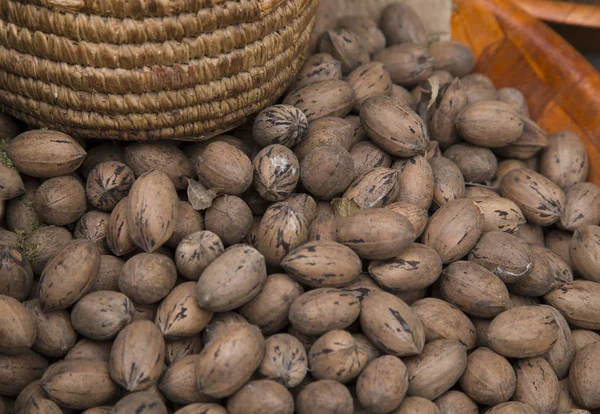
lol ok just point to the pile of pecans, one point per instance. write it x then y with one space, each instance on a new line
397 236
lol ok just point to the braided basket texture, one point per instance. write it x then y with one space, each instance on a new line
148 69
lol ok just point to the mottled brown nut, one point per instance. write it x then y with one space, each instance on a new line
474 289
456 402
415 268
101 315
524 331
358 134
179 315
152 210
528 145
537 385
541 201
285 360
11 183
479 87
177 349
450 100
585 252
368 80
222 166
412 405
88 349
281 230
454 229
276 172
108 151
318 67
324 225
391 325
416 181
366 30
261 396
582 207
137 356
16 275
304 204
269 310
322 264
452 56
565 161
540 279
240 346
17 327
45 242
92 226
142 157
401 24
146 278
504 167
232 279
44 153
117 231
561 354
382 385
478 193
500 214
20 211
69 275
436 369
376 188
324 98
344 46
281 124
179 383
559 242
376 233
583 376
448 181
60 200
189 220
72 382
192 150
477 164
252 237
503 254
230 218
17 371
489 124
395 128
107 184
150 401
335 356
578 301
489 378
403 97
328 130
416 215
322 310
324 397
516 99
408 63
195 252
532 234
441 320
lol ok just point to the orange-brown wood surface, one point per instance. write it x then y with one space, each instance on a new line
518 50
575 14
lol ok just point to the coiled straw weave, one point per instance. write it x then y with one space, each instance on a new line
148 69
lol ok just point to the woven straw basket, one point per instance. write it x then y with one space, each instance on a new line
148 69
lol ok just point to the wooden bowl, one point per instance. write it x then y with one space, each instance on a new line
515 49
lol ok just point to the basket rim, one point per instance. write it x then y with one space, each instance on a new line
130 56
149 78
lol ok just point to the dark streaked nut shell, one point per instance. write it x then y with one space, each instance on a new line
281 124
